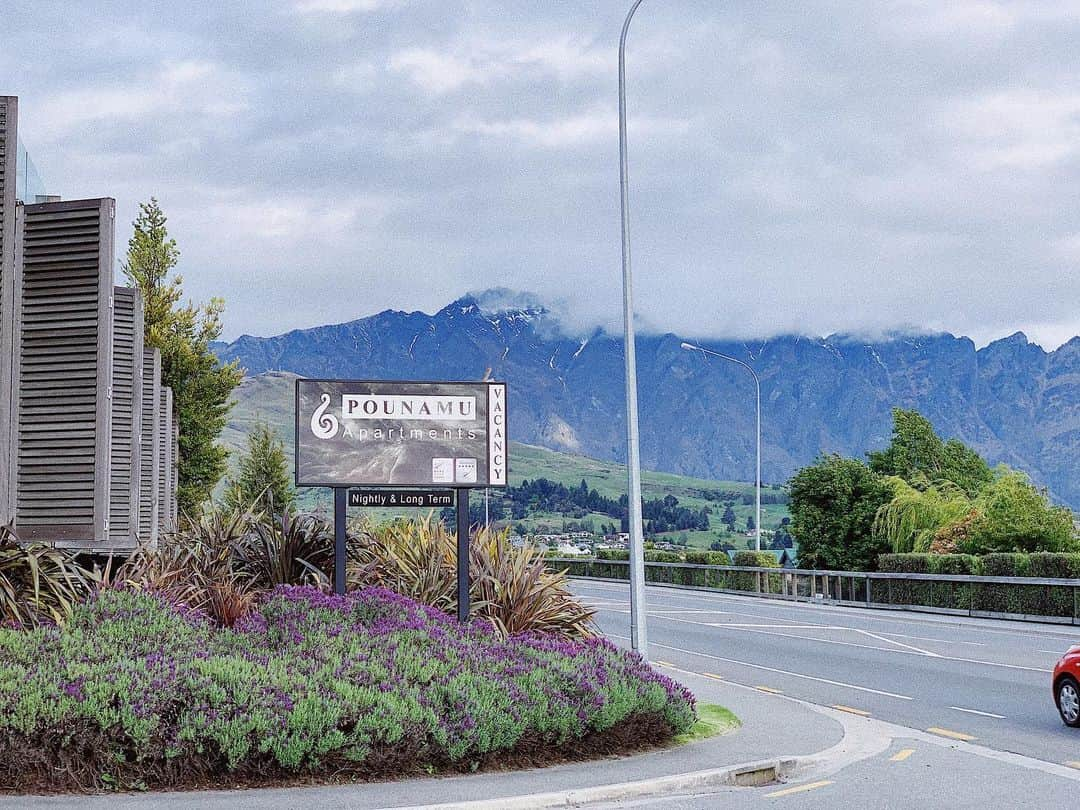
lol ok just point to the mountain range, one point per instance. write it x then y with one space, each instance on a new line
1011 400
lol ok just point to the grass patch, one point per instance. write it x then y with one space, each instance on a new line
713 720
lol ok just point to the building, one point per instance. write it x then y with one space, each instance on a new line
74 375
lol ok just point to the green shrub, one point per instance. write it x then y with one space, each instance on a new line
703 579
747 581
613 554
136 692
708 558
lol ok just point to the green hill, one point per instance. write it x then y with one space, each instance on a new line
269 397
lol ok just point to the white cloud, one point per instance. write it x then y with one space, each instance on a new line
198 89
338 6
480 61
1017 128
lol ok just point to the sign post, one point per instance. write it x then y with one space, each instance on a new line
385 436
463 555
339 540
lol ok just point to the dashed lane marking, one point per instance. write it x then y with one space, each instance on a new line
952 735
841 708
976 711
776 794
901 755
769 689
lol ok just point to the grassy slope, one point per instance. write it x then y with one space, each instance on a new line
270 397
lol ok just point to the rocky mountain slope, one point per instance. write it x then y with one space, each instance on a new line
1013 401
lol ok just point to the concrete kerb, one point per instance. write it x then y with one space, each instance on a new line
749 774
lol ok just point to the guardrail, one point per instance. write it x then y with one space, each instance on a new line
1017 598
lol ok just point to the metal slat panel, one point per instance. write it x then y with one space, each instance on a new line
9 114
150 469
125 441
65 375
165 482
174 477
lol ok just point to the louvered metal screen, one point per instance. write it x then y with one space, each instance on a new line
150 470
174 477
165 484
8 142
64 367
127 383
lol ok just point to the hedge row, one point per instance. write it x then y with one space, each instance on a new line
1033 600
730 580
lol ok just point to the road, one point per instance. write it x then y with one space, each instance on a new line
981 681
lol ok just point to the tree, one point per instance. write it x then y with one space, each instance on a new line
262 474
833 504
1012 515
201 384
911 520
919 456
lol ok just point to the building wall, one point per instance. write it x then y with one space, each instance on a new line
9 114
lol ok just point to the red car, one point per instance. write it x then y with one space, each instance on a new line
1067 687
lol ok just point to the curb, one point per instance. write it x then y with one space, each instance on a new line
748 774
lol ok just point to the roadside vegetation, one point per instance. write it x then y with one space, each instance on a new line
921 494
218 657
136 691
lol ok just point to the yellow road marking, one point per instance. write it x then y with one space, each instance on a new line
1073 764
769 689
850 710
713 675
664 664
798 789
952 735
901 755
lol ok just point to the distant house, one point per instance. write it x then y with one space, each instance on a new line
785 557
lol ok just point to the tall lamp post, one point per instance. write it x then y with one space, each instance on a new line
638 634
757 480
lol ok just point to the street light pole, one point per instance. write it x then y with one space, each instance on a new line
638 634
757 481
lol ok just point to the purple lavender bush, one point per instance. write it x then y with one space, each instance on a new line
135 691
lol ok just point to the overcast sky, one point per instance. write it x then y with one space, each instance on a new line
811 167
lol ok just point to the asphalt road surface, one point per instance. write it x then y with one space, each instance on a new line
985 682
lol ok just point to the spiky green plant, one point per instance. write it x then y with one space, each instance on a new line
286 549
196 566
39 582
509 587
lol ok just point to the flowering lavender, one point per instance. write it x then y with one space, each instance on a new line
311 682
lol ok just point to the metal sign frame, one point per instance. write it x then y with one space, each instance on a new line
400 485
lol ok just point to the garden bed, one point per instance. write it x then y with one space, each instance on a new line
136 693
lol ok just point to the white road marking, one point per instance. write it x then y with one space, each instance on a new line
899 643
905 649
774 670
981 714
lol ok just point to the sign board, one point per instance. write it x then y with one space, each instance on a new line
409 498
400 434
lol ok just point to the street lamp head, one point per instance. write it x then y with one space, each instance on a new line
690 347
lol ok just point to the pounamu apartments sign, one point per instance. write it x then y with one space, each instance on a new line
400 434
